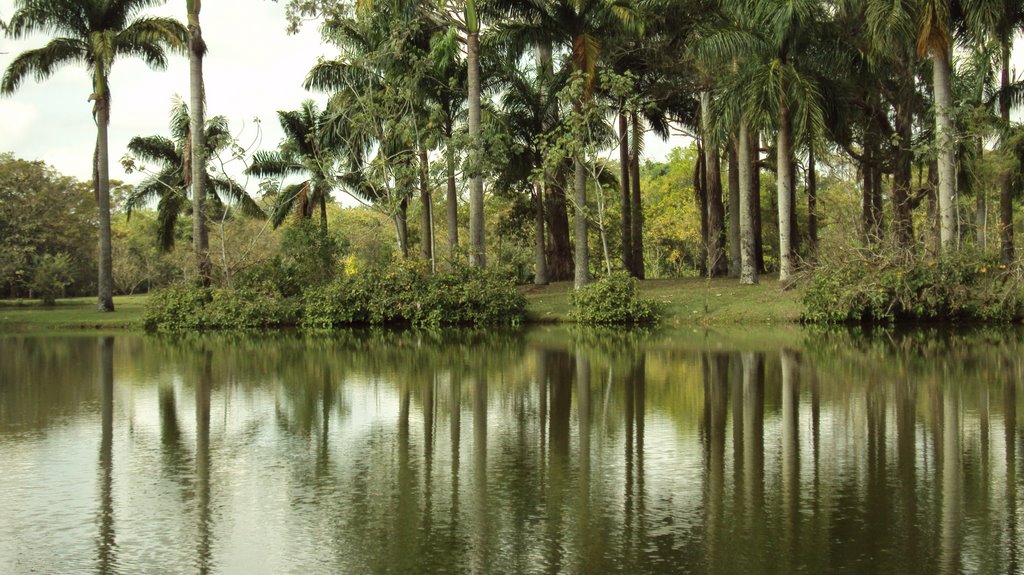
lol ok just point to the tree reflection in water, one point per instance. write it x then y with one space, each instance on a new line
588 452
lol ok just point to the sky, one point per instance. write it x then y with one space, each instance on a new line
252 69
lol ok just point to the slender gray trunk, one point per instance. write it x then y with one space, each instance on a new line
734 211
945 138
582 276
200 234
426 229
748 263
452 205
812 202
477 256
627 218
637 210
1006 250
105 295
785 182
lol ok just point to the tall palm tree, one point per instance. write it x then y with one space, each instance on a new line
302 153
196 51
170 185
94 33
1000 21
578 26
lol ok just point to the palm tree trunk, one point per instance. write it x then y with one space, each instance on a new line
718 266
1006 249
200 234
945 135
323 214
476 182
785 181
540 276
582 275
734 210
560 259
700 187
902 173
627 218
755 198
812 202
426 230
636 210
105 296
748 266
452 204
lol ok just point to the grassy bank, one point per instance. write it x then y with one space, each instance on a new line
720 302
690 301
71 314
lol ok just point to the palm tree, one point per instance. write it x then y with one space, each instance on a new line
578 25
170 185
302 153
196 51
1000 21
93 32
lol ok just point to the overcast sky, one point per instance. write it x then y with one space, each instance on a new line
253 68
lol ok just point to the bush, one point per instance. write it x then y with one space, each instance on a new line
958 286
405 293
186 307
614 299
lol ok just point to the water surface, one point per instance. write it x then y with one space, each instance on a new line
545 451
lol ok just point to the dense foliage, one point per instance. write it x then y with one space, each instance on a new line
614 299
959 286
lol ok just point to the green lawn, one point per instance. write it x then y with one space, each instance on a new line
71 313
690 301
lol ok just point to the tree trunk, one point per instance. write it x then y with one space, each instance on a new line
452 205
980 205
748 257
636 210
560 257
901 176
1006 249
755 198
323 213
700 189
402 227
105 296
627 218
540 276
734 210
945 139
812 203
476 182
785 180
426 205
717 264
933 236
582 276
197 133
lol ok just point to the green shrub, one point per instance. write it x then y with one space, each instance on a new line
50 275
614 299
958 286
186 307
405 293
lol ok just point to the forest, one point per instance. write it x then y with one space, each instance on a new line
861 151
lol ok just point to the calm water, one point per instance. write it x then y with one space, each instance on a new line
546 451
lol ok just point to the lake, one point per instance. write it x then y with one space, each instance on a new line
549 450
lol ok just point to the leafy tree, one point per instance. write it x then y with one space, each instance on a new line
170 184
94 33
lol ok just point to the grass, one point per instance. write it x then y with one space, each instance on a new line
71 314
687 301
684 302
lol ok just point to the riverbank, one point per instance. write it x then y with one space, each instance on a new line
690 301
